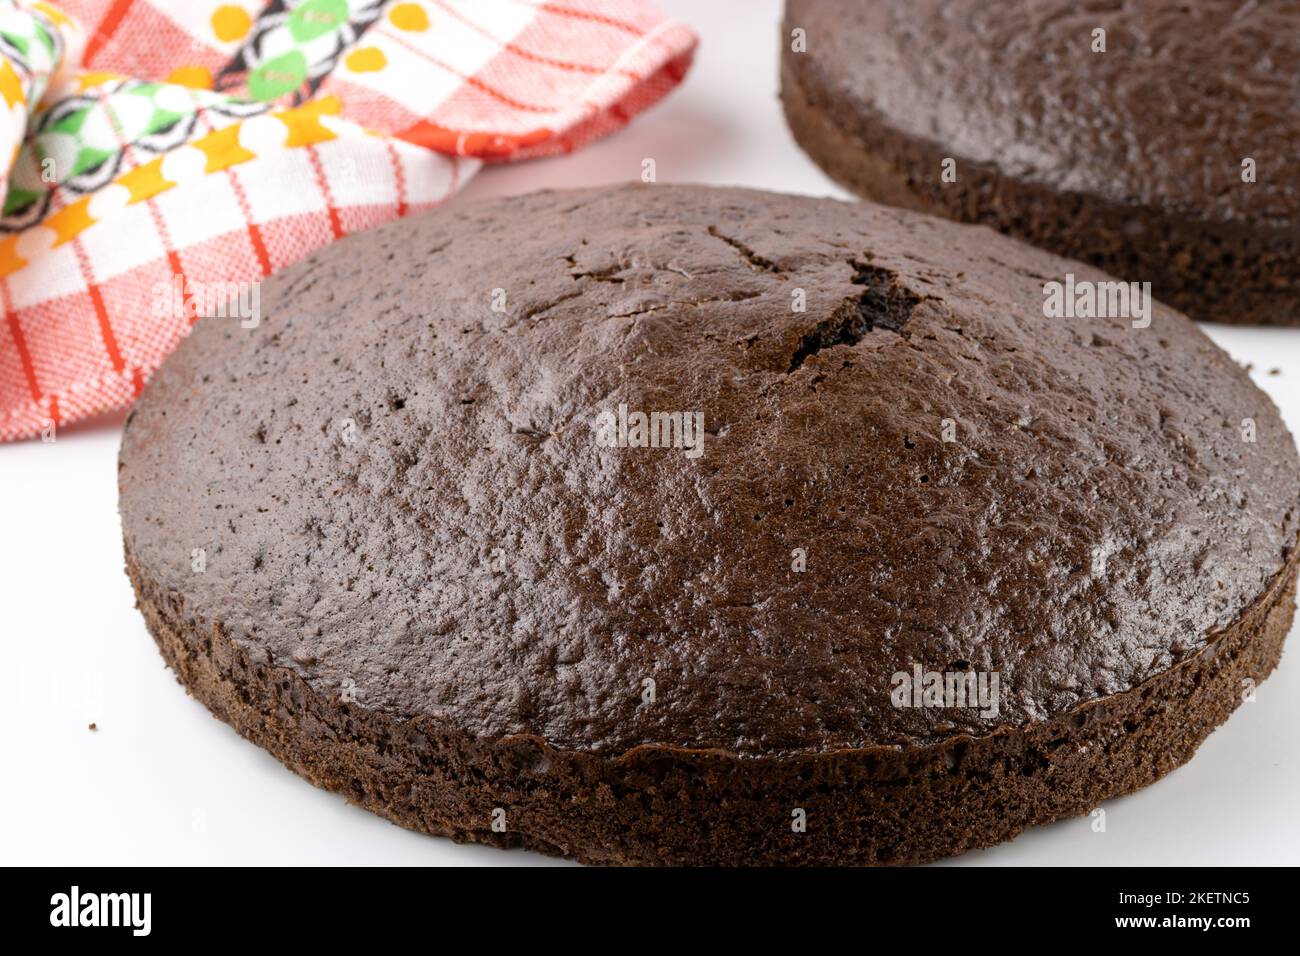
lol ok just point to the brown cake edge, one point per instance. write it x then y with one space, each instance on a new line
1212 272
666 805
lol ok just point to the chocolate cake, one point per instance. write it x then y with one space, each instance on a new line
1155 140
688 525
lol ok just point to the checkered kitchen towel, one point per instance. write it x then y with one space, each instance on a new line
197 144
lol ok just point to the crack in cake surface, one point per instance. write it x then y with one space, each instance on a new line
883 304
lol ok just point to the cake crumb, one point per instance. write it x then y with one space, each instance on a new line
92 726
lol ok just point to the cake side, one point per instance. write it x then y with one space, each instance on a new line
662 805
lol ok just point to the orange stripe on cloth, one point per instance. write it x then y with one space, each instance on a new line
24 356
101 311
561 11
499 95
255 238
461 143
336 223
107 27
530 56
399 177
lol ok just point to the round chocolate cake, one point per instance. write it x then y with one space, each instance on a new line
684 525
1155 140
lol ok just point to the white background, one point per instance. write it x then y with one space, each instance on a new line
162 782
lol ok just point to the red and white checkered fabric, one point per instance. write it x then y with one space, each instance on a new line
193 145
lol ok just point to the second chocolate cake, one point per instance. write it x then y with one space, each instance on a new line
687 525
1156 140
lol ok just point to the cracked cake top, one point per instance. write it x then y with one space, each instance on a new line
399 489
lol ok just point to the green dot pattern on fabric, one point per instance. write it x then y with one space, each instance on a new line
276 77
47 41
19 199
15 41
315 18
70 124
162 120
88 157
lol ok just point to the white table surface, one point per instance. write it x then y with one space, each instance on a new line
162 782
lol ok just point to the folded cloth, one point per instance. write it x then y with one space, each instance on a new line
163 156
